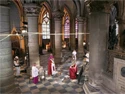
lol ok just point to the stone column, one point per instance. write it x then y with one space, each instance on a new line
80 36
52 40
121 23
7 85
72 36
98 26
32 11
55 5
87 35
121 36
58 30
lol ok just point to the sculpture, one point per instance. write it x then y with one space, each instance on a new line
113 40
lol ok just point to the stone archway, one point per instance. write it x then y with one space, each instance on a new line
44 9
15 42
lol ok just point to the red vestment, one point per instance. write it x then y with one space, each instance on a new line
73 71
49 67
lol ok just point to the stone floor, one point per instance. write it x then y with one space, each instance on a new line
58 84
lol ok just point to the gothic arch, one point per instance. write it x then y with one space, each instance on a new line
67 12
78 7
13 31
20 9
19 39
67 9
15 42
45 7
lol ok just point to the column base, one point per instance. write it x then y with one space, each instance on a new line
95 89
90 89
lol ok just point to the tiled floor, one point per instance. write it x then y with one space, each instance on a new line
52 84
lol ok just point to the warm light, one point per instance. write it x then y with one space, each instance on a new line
17 33
84 43
64 46
26 25
24 31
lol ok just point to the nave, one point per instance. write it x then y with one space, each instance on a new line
52 84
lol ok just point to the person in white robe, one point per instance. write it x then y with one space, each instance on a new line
53 67
87 57
74 55
17 66
35 73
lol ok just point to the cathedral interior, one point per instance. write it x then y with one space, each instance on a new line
32 29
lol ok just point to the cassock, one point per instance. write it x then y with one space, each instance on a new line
49 67
73 71
17 66
35 74
53 68
74 54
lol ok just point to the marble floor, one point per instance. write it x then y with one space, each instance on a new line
59 84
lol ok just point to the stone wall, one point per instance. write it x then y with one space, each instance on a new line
119 75
112 77
111 55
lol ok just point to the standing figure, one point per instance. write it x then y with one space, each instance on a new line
74 55
87 57
53 67
35 73
73 71
17 65
50 64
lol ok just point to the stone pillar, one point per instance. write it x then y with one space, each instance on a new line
72 36
58 30
7 85
80 36
98 26
55 5
87 35
52 40
32 11
121 37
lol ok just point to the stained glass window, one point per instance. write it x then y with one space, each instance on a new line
67 27
46 26
76 29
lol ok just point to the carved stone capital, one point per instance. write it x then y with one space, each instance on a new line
100 6
57 15
32 9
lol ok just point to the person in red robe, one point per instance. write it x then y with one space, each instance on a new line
73 71
50 65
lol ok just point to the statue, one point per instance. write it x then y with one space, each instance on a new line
112 37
